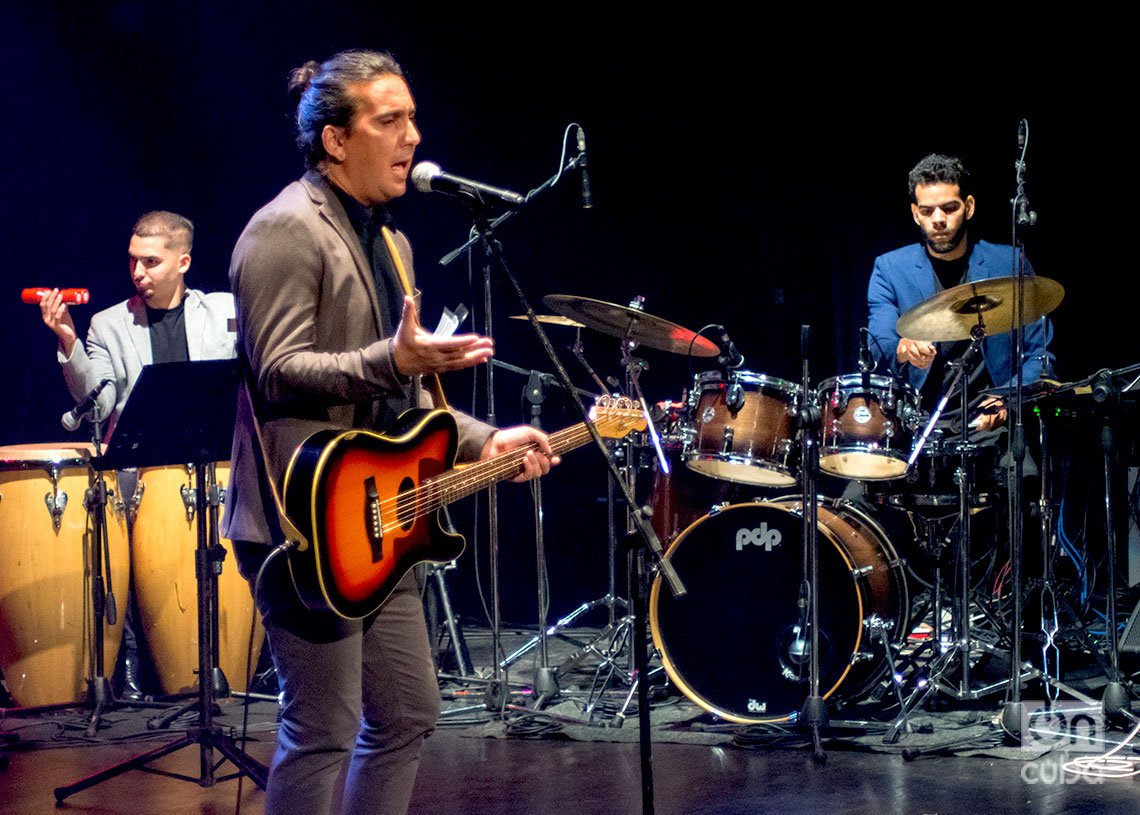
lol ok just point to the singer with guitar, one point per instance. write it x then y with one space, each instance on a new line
333 344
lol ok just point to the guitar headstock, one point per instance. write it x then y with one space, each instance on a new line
615 417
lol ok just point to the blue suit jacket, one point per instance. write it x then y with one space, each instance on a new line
904 278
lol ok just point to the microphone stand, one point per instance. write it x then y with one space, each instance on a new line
102 593
814 713
651 544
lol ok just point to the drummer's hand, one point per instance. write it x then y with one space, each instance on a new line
417 351
918 353
987 420
535 462
58 319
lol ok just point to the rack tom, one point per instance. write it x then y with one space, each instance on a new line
744 428
868 426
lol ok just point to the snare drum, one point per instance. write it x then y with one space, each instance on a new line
46 628
164 550
733 643
744 428
868 424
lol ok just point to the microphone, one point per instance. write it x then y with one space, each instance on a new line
867 362
428 177
729 356
73 417
72 297
587 197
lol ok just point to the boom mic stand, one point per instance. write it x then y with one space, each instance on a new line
814 713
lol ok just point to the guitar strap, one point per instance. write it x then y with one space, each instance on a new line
433 382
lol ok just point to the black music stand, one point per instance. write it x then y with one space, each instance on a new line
179 413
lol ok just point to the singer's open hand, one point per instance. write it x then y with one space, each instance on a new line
418 351
57 317
536 462
918 353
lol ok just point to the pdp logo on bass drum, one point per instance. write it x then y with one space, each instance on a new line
763 536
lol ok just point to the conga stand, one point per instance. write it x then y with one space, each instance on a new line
200 399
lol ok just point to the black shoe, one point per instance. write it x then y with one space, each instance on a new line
131 690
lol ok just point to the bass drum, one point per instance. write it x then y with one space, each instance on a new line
733 644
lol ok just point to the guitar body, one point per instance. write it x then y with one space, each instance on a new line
353 495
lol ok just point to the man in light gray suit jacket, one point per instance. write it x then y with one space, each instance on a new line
164 322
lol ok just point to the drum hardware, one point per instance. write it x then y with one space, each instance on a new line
56 501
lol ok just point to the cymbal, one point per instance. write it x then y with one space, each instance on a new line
632 324
551 319
951 314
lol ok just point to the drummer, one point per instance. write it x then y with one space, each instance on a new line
949 254
163 322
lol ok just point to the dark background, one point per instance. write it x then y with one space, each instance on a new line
744 173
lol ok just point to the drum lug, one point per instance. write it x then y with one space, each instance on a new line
728 439
889 429
56 503
716 509
734 397
859 571
861 656
188 501
877 623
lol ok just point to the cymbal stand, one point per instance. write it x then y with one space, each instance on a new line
537 385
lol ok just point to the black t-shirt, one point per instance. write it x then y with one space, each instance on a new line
168 333
947 275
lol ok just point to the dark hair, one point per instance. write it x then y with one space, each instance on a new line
940 169
321 94
177 230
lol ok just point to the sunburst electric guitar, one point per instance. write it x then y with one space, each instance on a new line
367 503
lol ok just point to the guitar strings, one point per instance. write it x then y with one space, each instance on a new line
431 495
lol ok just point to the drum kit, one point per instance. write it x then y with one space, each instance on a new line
46 531
735 643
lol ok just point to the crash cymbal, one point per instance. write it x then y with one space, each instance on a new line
551 319
632 324
952 314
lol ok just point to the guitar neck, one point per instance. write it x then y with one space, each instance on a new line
468 480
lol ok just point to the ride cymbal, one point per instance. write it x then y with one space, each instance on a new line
953 313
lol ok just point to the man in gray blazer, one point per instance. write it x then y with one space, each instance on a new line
332 342
164 322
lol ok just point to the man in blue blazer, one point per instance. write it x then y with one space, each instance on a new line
942 206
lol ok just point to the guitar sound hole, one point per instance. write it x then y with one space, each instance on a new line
406 510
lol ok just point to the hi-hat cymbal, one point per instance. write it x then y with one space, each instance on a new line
551 319
631 324
953 313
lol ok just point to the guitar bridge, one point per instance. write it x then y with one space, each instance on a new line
372 521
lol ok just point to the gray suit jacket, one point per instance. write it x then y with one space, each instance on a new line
118 346
310 330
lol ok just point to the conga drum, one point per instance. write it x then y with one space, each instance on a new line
163 554
46 616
